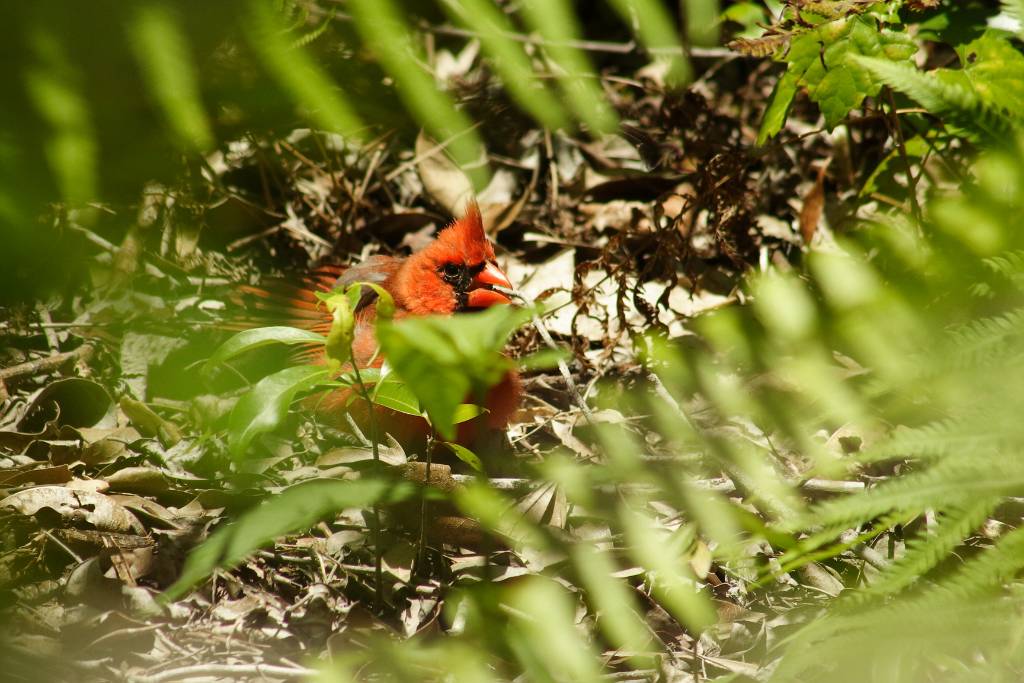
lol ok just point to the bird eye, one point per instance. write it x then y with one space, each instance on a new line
451 270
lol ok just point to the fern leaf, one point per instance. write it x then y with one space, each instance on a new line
988 569
310 36
1015 9
925 552
961 105
958 481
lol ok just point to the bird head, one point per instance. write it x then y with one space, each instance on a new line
456 272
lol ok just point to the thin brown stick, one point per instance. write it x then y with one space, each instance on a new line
721 485
46 363
226 670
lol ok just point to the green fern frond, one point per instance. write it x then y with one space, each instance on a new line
1010 266
988 340
960 105
988 569
310 36
957 482
1015 9
942 438
925 552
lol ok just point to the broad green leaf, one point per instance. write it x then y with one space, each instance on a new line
394 394
294 509
429 368
820 63
995 68
247 340
162 49
264 407
465 412
778 109
465 455
444 360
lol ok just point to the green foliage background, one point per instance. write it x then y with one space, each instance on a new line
906 334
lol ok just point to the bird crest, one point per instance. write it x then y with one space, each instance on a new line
463 240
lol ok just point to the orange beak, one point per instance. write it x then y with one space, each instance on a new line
481 295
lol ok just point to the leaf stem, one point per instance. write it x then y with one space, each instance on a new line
897 133
378 572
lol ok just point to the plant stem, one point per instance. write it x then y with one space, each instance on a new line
421 543
378 572
897 133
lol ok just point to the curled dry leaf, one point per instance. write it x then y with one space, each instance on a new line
814 206
93 508
442 179
74 402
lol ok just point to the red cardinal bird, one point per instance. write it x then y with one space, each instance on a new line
456 272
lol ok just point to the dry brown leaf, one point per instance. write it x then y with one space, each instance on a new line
814 206
36 475
103 513
442 179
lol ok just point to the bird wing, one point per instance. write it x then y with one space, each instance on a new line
376 269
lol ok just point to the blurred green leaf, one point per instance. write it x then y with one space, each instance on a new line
543 359
544 634
53 88
674 585
384 31
654 27
612 598
162 50
303 78
702 22
294 509
508 58
555 21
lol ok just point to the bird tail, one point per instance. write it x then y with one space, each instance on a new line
281 301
